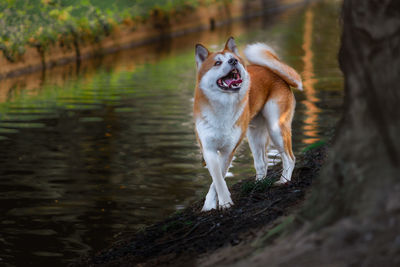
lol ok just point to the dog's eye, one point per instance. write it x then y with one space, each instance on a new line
217 63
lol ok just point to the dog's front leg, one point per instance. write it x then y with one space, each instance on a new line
211 199
214 166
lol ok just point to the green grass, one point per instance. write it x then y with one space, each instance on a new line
39 23
256 186
314 145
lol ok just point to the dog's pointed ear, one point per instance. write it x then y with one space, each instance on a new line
231 46
201 55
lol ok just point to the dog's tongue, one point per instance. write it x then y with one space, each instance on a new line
231 82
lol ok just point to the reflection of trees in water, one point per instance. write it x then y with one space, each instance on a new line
311 112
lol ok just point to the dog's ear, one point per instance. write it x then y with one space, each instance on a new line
201 55
231 46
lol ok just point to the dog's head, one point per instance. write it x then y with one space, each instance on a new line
222 71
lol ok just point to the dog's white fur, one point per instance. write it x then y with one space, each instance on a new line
216 122
255 53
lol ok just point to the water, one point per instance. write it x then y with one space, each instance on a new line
90 151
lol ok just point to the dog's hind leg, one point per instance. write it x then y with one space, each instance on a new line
257 135
279 119
288 159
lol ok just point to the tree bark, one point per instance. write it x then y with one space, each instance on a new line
362 175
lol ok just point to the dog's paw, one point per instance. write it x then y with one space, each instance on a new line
209 205
281 181
210 202
225 205
260 177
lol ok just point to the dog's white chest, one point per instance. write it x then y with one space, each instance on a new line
218 131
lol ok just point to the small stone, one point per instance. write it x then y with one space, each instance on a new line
397 241
368 236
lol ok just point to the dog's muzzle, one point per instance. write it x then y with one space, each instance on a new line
231 82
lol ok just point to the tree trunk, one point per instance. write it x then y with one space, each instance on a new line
362 176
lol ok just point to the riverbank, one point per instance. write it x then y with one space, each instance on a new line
260 213
40 53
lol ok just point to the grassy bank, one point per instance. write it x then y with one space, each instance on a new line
40 23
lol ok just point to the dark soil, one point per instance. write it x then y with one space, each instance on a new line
181 238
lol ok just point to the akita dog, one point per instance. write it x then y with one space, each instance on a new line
232 99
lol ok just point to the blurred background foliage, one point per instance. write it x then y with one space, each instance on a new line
39 23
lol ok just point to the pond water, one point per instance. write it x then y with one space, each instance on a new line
90 151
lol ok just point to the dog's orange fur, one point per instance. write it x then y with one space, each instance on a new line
264 85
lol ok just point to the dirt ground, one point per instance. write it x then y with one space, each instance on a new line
187 238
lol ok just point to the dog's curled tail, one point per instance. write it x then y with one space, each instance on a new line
263 55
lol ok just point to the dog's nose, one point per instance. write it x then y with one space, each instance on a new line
233 61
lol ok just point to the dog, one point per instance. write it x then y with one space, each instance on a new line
232 100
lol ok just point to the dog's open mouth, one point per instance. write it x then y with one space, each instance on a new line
232 81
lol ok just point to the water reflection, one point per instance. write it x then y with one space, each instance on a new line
310 122
109 147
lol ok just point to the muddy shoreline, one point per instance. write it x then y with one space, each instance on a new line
185 236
